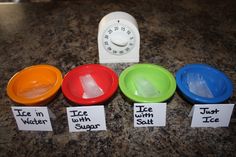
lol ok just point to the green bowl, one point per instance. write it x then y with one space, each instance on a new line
147 83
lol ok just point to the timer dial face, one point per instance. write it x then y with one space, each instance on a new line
118 39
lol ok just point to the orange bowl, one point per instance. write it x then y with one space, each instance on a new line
34 85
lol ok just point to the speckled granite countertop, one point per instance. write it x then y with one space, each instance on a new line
64 34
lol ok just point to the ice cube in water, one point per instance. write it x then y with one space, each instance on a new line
35 91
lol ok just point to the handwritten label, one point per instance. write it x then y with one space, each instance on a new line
212 115
90 118
32 118
149 114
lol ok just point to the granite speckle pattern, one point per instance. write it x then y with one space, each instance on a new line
64 34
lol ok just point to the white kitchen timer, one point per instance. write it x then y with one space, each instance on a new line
118 38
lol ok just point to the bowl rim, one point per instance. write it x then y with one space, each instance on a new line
198 99
136 98
39 99
90 101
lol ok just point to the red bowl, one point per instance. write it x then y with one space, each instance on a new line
104 77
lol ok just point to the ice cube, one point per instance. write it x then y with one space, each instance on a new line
90 87
145 88
197 85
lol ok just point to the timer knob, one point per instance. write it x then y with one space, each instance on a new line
119 40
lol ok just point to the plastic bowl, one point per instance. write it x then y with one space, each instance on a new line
34 85
201 83
147 83
105 79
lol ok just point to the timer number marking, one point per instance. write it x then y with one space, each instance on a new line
118 39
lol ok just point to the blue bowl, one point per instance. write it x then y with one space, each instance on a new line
201 83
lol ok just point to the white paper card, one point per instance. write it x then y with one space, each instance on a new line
91 118
191 112
211 115
32 118
149 114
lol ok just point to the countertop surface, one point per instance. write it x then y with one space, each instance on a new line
64 34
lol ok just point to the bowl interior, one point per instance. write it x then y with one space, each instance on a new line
89 84
204 82
33 82
147 83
